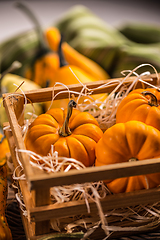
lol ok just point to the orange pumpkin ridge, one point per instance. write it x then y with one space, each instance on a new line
123 142
141 105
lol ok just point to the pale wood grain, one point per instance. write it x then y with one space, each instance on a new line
91 174
16 131
61 210
45 94
23 184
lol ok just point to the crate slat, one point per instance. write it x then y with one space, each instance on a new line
45 94
23 184
92 174
61 210
9 104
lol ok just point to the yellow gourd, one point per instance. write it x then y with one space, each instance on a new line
69 74
73 57
125 142
141 105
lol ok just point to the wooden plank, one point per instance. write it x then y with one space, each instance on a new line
42 227
27 196
45 94
110 202
92 174
18 105
16 131
22 183
42 198
29 227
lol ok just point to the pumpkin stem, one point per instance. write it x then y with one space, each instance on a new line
65 131
153 99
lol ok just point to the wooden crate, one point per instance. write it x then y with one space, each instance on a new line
36 187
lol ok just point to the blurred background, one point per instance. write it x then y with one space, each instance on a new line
120 34
115 12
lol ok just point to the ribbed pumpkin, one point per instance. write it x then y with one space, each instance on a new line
73 134
130 141
142 105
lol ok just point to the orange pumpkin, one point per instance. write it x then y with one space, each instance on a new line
73 134
142 105
68 74
125 142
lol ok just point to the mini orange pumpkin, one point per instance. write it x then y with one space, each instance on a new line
74 134
142 105
125 142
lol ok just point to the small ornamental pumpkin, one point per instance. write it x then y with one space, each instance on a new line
141 105
69 74
130 141
73 134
